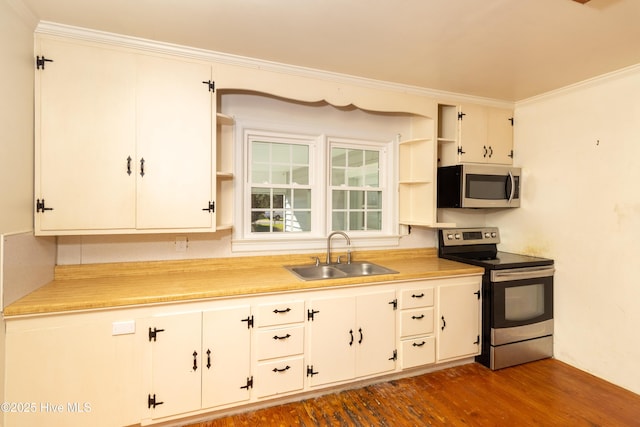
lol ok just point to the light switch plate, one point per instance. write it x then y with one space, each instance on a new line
123 328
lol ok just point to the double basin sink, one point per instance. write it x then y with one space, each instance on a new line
338 271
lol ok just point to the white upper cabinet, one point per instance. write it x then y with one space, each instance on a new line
125 141
471 133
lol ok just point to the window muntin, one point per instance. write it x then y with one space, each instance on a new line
281 194
356 191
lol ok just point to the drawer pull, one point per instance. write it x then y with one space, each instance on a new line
281 338
276 311
419 345
417 295
286 368
418 317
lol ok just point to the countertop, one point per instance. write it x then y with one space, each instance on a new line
102 286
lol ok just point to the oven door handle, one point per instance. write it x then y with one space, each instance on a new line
521 273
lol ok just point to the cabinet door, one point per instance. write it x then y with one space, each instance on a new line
85 134
332 338
473 134
176 363
458 320
375 336
226 341
500 135
175 164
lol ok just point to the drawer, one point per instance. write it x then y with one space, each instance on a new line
416 297
279 313
418 321
280 342
418 352
280 376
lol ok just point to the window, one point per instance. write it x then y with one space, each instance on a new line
281 194
356 192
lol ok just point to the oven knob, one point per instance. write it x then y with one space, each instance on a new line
457 236
487 235
494 234
450 236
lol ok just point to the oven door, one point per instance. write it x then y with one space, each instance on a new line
521 296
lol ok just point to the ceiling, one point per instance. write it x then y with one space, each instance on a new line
501 49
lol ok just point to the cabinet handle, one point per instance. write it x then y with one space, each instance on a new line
208 359
281 338
419 345
142 166
490 151
286 368
484 147
276 311
361 336
195 360
417 295
418 317
351 333
129 165
444 323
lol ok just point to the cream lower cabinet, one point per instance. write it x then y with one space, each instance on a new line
417 333
351 336
199 360
458 319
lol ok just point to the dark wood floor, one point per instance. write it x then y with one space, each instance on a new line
544 393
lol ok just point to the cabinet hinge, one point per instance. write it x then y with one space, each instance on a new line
477 293
460 150
249 383
40 206
211 208
510 154
395 355
310 372
211 84
394 303
152 402
249 321
477 341
511 120
311 314
461 115
40 61
153 333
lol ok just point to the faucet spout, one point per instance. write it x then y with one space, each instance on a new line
343 234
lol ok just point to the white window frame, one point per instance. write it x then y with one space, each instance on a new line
243 240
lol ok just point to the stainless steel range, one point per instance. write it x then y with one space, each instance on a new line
517 296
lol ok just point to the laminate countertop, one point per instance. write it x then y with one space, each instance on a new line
116 285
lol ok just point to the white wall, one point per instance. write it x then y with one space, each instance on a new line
16 117
580 148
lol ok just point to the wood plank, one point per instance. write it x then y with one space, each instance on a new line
542 393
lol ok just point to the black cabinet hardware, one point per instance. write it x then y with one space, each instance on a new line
40 61
444 323
310 372
40 206
286 368
311 314
351 334
361 336
142 166
208 359
249 383
284 337
211 207
195 360
418 317
417 295
415 344
153 333
129 165
152 402
286 310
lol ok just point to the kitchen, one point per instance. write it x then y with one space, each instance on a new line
568 140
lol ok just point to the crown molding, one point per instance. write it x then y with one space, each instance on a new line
120 40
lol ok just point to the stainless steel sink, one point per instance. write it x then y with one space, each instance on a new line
336 271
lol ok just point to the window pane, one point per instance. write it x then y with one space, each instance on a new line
339 221
260 221
338 177
280 174
355 177
260 151
300 221
371 158
374 220
277 221
301 175
339 199
281 153
339 157
356 220
260 173
356 200
300 154
302 199
374 199
355 158
260 198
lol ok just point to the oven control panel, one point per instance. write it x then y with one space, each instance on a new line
469 236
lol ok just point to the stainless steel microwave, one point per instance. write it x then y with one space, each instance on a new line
479 186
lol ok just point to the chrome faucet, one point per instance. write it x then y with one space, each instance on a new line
328 260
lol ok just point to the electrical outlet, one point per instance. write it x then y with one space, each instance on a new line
181 244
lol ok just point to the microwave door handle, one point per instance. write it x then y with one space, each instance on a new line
511 189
